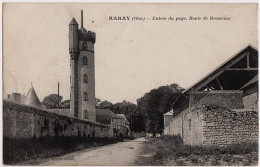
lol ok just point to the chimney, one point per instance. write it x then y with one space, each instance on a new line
81 18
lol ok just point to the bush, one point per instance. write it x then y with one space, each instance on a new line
172 147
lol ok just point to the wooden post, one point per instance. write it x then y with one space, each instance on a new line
219 83
248 66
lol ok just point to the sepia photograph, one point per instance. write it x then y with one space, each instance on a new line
130 84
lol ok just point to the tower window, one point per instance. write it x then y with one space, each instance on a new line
85 60
85 78
85 114
84 45
85 96
189 124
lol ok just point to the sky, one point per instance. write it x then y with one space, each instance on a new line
131 57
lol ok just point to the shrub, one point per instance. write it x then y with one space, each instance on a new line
172 147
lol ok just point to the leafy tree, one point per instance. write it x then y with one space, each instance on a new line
105 105
126 108
138 124
52 101
156 103
65 104
97 102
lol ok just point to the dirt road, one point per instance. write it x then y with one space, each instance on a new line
119 154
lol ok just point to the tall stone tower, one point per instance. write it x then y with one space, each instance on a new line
82 79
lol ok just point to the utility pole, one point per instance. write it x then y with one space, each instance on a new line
131 135
58 95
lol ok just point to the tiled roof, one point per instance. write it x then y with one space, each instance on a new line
104 116
123 117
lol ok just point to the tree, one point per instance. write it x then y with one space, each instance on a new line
138 123
126 108
51 101
97 102
105 105
65 104
156 103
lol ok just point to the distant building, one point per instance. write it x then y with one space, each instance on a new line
32 99
168 117
104 116
118 122
16 98
124 120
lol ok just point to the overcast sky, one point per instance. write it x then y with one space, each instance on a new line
131 57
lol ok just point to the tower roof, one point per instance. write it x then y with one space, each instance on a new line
73 22
84 31
32 99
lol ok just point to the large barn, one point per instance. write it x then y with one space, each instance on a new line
221 108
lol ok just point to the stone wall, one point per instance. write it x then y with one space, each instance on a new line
167 119
20 121
60 111
232 99
167 130
214 125
250 98
222 126
189 126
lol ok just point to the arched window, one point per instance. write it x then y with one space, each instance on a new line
85 60
85 78
85 114
85 96
84 45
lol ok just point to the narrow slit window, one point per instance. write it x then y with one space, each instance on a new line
85 114
85 60
189 124
85 96
85 78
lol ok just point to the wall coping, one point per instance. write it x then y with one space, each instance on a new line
244 110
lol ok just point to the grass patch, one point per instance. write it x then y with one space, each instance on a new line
18 150
170 150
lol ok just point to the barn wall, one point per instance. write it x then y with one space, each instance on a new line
166 130
167 119
189 126
250 98
222 126
176 126
224 98
21 121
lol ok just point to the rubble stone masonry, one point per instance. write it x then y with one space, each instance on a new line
20 121
222 126
216 126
